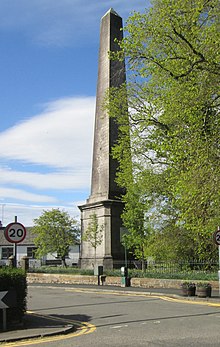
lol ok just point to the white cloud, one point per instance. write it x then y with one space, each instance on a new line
53 150
55 147
26 196
26 213
60 137
61 180
51 22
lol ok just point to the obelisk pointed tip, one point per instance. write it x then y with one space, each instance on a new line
112 11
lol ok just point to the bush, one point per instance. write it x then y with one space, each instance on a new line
189 275
61 270
14 279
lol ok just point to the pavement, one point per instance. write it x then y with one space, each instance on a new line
35 325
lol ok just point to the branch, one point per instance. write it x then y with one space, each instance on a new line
189 44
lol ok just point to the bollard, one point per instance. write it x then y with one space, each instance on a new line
125 280
11 260
98 271
25 263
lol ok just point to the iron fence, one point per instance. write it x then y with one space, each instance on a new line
161 267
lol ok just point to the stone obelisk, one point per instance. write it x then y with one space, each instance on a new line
104 200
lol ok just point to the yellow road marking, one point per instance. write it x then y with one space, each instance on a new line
192 302
83 328
162 297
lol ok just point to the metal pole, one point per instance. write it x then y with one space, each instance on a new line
15 254
4 316
15 247
219 268
3 205
126 261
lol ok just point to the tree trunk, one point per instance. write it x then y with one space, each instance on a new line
63 261
95 257
143 265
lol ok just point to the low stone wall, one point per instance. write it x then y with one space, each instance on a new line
113 281
60 278
155 283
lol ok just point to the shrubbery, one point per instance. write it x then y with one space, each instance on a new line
149 273
14 279
62 270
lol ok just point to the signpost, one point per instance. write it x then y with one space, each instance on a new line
7 299
15 232
124 231
216 238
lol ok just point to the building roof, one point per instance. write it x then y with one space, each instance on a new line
29 239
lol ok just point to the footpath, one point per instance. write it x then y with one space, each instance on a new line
41 326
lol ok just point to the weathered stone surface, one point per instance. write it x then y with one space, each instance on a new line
113 281
105 195
110 74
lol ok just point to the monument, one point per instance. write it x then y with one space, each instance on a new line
105 198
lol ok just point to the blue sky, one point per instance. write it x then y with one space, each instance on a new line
48 70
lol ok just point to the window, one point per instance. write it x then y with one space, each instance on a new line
31 252
7 252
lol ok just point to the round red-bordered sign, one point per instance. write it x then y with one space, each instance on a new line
15 232
216 237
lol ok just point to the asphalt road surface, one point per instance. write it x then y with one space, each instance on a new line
117 319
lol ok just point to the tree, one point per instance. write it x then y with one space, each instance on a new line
93 234
55 231
173 98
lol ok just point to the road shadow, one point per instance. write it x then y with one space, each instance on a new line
72 317
95 304
159 319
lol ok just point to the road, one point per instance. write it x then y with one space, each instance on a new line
124 320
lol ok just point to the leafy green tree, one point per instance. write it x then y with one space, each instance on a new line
55 231
173 98
93 234
135 221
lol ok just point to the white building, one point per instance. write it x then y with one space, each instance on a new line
27 247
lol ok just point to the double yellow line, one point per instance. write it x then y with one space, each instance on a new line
141 294
192 302
82 328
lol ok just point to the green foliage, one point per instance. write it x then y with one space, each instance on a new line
93 234
150 272
172 135
137 223
203 285
188 285
62 270
14 279
55 231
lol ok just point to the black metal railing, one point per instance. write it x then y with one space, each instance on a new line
170 267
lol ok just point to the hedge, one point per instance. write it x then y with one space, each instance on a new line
11 278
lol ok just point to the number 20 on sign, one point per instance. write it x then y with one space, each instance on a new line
15 232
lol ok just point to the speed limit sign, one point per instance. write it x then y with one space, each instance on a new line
15 232
216 237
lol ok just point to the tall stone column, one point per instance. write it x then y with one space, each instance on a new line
105 195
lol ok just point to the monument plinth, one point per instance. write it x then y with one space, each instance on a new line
105 198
